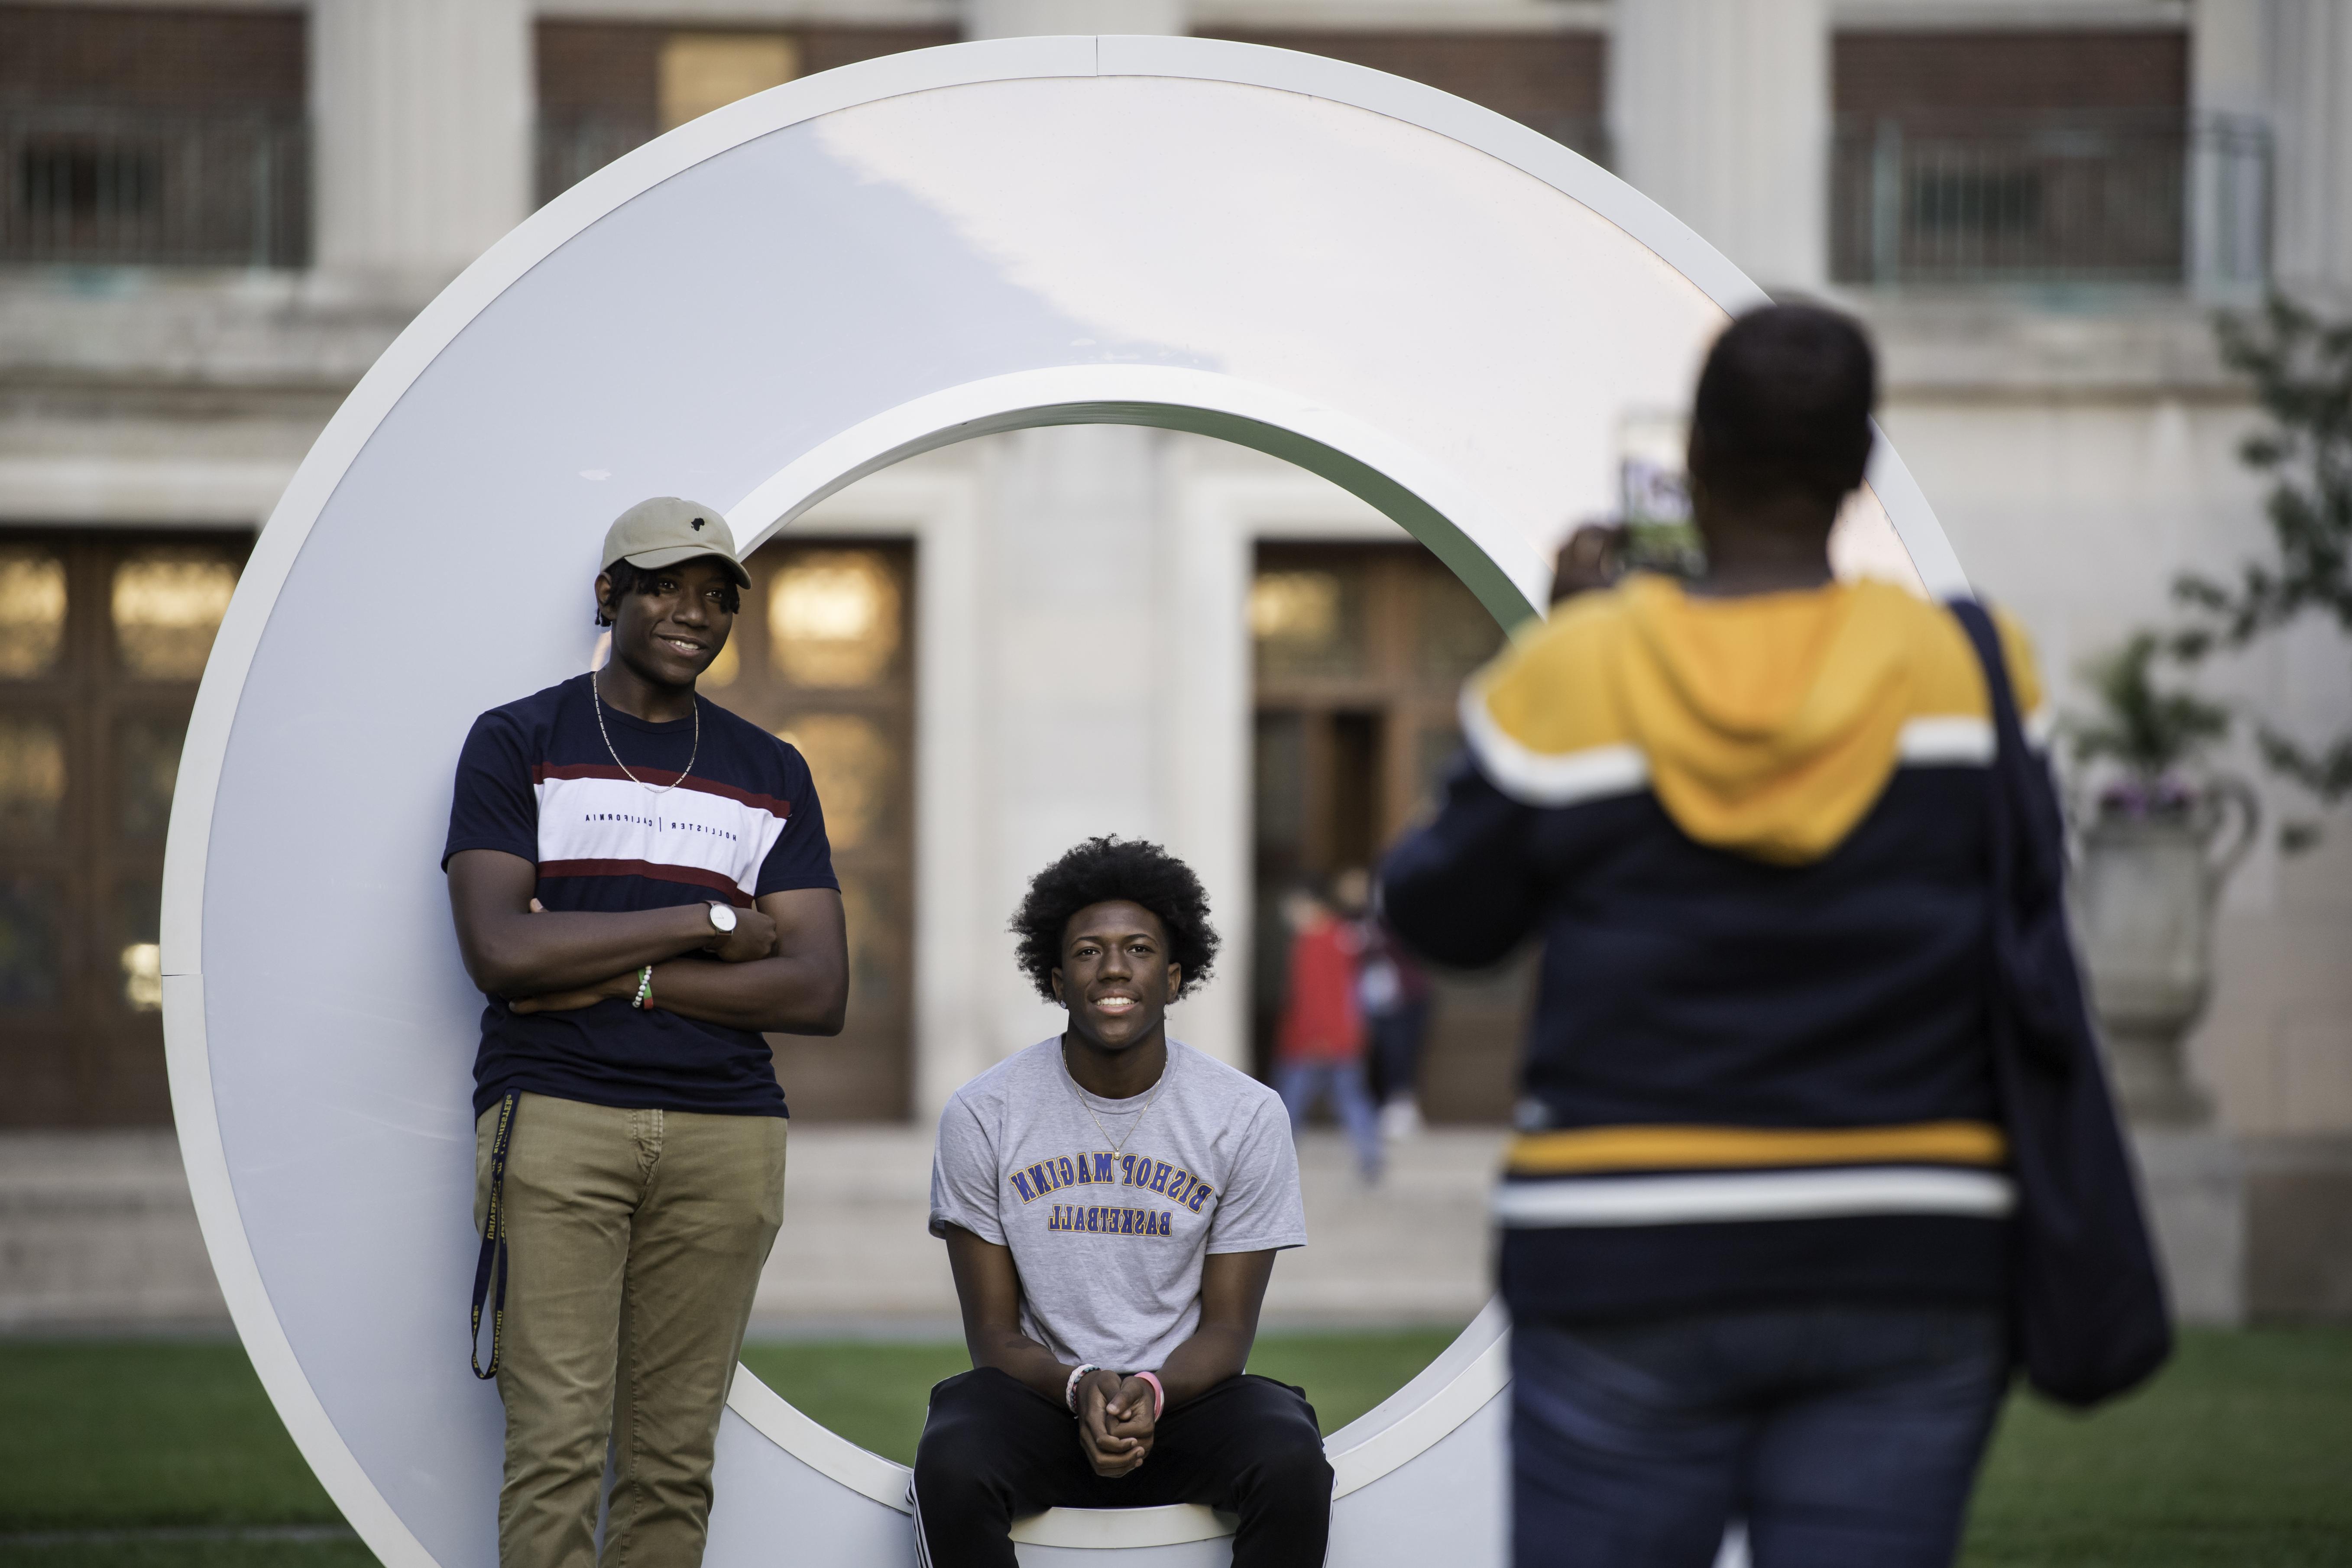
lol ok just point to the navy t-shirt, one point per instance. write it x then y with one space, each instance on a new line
536 780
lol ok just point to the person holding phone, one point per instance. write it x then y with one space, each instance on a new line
1755 1222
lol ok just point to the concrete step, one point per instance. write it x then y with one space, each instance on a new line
97 1233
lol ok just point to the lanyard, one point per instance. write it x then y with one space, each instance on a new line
494 1245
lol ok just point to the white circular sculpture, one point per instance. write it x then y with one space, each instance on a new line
1433 305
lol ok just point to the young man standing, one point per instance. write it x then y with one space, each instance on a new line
1112 1201
641 887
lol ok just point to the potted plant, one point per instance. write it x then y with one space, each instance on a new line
2300 367
2153 858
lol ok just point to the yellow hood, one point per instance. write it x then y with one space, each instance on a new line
1765 725
1770 723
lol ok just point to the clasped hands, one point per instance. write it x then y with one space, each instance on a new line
1117 1416
754 936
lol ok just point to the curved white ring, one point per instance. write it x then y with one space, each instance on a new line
1422 490
1441 508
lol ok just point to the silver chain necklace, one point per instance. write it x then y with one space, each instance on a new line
1071 1082
598 696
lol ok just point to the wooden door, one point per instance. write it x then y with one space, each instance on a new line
1359 652
102 638
823 654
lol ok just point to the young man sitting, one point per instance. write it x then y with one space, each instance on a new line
1112 1201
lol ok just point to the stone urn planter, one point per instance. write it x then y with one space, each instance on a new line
2149 876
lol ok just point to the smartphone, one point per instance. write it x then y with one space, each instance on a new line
1653 496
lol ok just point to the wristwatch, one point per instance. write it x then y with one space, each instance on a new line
723 917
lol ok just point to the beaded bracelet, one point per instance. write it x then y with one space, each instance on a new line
644 986
1070 1389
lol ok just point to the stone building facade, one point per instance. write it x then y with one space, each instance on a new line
217 214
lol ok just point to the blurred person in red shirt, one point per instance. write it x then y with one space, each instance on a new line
1320 1045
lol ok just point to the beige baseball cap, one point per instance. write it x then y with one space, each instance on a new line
666 531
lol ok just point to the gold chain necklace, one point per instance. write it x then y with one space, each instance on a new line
1071 1082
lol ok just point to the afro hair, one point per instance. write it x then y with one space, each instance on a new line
1110 870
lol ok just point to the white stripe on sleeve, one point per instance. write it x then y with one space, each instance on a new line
1540 778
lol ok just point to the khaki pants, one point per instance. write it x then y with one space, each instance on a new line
635 1239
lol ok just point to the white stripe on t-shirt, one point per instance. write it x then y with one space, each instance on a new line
600 820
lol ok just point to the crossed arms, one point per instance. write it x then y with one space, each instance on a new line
784 969
1115 1416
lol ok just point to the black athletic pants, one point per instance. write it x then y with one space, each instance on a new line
994 1449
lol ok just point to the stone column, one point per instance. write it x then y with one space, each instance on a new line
2308 61
2228 56
1719 111
2229 180
1032 18
422 124
1070 515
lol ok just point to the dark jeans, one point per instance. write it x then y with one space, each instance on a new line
1847 1437
1396 1048
994 1449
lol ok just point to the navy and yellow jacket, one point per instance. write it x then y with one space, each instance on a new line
1751 835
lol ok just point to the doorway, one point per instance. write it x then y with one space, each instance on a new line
823 655
1358 652
104 637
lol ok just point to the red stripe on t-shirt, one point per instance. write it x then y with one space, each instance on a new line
694 876
662 778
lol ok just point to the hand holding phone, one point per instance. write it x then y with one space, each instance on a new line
1592 558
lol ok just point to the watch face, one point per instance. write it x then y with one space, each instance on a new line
722 917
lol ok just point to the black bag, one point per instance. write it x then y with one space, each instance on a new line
2087 1308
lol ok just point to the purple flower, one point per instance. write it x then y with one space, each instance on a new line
2141 798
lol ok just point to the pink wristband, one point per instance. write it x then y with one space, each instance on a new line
1159 1395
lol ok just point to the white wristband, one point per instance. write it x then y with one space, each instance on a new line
1070 1389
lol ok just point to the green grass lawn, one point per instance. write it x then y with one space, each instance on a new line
2238 1453
2241 1453
150 1438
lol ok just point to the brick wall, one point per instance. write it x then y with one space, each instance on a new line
821 49
612 67
606 67
1881 74
600 83
152 59
1551 82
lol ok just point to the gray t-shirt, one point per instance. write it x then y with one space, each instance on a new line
1108 1222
